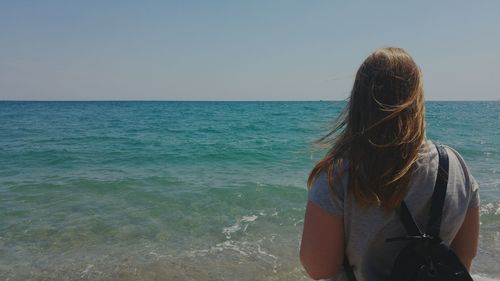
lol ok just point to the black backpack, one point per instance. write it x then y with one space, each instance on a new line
426 257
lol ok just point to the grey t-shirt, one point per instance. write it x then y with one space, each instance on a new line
366 229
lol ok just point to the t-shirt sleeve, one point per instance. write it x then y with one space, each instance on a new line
475 200
320 194
470 182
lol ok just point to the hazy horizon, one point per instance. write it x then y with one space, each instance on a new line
230 51
214 100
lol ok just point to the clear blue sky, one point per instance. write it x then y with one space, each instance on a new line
239 50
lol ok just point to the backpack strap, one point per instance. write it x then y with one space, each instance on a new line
439 194
437 203
349 272
408 221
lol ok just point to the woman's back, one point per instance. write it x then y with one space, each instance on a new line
367 228
377 157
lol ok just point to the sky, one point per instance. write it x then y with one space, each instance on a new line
240 50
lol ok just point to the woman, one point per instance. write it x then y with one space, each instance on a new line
379 156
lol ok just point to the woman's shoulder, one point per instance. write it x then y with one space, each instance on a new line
460 178
459 167
330 198
429 154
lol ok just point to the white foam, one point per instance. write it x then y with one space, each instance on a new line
158 256
298 222
246 220
87 269
273 257
231 229
231 245
491 208
482 278
243 248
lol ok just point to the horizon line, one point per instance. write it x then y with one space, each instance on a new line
175 100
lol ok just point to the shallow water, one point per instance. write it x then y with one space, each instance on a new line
188 190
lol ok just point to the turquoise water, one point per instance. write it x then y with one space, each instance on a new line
188 190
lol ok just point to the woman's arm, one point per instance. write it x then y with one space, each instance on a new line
322 247
465 243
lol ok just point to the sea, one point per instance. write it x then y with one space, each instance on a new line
189 190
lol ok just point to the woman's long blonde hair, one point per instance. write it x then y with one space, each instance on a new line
380 131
